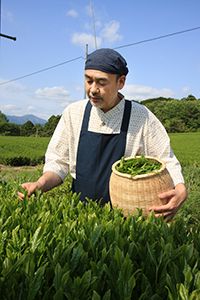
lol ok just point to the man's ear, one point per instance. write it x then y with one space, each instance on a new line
121 82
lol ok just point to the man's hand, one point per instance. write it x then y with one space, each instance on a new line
46 182
175 197
30 186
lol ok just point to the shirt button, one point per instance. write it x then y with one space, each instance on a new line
103 124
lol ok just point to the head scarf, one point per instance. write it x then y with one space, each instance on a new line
108 61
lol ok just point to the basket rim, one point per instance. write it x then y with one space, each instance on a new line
163 167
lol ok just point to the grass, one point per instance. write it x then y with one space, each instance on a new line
186 147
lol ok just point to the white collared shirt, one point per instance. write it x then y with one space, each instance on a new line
145 135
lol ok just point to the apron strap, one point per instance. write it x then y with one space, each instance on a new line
86 115
126 116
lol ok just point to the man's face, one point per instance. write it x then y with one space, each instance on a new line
102 88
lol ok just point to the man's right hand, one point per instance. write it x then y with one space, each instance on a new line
46 182
30 186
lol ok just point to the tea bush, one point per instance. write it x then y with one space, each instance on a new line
54 247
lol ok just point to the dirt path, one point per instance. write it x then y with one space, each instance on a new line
7 168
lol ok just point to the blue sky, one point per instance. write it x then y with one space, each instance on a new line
53 32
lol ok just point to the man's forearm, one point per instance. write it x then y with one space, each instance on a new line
48 181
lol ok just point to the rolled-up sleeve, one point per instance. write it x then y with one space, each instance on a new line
157 144
57 154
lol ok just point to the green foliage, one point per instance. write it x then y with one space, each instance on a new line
50 126
9 129
186 147
20 151
137 166
176 115
54 247
3 117
27 128
190 210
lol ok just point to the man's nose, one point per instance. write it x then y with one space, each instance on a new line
94 88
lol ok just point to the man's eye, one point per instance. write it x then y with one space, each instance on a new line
102 83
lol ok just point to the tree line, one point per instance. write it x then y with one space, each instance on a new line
28 128
176 116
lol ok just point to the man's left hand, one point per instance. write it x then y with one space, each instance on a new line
175 197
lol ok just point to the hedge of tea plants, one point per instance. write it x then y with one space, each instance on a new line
54 247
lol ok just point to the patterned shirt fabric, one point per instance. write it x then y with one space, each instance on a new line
145 135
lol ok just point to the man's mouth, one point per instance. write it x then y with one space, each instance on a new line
94 98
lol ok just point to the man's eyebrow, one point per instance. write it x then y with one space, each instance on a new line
99 79
88 76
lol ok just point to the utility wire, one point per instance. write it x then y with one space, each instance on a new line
157 38
123 46
95 41
65 62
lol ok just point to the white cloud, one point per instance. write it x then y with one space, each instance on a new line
87 26
64 104
88 10
79 88
11 89
58 93
139 92
18 99
31 108
7 15
9 107
81 39
72 13
185 89
109 33
98 24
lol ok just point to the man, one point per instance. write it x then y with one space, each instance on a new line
92 135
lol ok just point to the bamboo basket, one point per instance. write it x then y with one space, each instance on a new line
141 191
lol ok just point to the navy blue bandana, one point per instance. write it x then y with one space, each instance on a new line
108 61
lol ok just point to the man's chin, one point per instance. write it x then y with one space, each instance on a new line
97 103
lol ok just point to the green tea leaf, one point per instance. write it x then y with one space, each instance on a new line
3 239
152 255
188 279
77 253
57 277
36 283
96 234
15 266
107 295
36 239
96 296
183 292
58 295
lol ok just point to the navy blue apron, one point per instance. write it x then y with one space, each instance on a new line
96 154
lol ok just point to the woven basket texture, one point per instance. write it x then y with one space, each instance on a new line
129 193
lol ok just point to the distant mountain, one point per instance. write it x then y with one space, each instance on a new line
21 120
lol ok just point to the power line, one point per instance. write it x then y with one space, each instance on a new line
123 46
95 41
65 62
157 38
